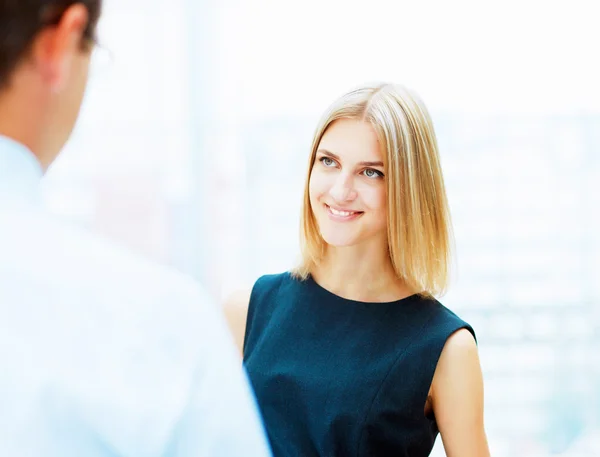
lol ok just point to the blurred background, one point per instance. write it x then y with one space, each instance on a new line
194 138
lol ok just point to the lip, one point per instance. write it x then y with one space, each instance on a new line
340 218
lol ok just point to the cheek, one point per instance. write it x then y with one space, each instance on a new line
317 186
378 207
374 198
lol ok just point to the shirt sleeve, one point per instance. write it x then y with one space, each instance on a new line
221 417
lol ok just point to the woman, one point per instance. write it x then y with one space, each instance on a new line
349 353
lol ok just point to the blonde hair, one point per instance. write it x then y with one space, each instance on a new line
419 226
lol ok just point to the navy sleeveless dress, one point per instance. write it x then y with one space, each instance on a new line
337 377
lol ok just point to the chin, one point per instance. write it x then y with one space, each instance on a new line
339 240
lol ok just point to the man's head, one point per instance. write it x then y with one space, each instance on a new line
45 49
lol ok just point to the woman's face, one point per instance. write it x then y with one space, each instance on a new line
347 186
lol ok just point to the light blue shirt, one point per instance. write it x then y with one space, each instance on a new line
103 354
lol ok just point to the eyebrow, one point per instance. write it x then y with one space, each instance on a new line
336 157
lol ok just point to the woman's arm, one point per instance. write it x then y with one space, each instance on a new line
457 398
236 313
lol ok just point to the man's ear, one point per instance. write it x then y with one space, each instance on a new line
56 46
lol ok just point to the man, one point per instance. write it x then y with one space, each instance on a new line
101 354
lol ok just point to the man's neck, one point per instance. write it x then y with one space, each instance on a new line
20 123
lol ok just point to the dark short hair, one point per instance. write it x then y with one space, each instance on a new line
22 20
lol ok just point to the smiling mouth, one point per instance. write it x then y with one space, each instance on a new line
344 214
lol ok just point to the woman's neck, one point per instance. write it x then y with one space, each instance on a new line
356 275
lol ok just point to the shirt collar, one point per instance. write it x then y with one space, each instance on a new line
20 171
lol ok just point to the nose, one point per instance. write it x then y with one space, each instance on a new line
342 189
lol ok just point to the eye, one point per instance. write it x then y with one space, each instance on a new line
371 173
327 161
